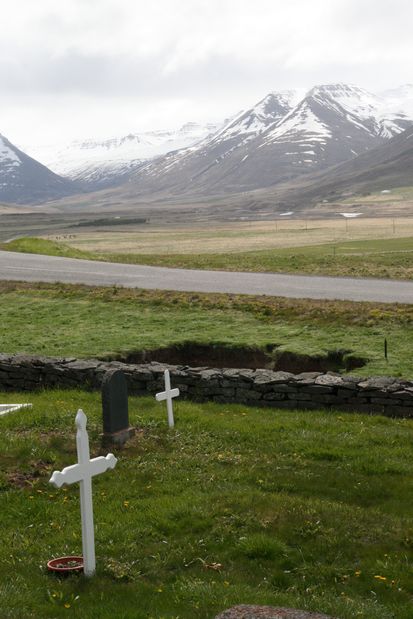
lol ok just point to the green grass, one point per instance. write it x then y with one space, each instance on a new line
236 505
81 321
34 245
65 320
387 258
390 258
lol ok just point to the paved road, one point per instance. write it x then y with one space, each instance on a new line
36 268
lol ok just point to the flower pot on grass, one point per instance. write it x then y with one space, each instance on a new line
65 565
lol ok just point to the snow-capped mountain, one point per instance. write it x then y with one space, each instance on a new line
284 136
24 180
330 124
102 163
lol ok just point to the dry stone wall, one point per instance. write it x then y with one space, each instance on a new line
310 390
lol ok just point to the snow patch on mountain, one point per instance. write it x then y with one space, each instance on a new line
301 120
399 99
249 124
8 156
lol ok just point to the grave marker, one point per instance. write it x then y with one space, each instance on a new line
83 472
167 395
116 429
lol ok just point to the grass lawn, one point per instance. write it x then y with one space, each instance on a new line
236 505
387 258
66 320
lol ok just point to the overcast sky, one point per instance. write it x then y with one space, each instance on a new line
85 68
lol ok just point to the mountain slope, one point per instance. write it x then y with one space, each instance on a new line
385 167
25 180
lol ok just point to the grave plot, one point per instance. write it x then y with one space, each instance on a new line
236 506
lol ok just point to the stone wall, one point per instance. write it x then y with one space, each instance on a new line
310 390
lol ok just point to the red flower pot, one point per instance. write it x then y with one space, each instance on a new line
65 565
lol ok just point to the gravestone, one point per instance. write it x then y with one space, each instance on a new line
116 429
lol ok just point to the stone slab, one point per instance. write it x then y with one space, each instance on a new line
114 402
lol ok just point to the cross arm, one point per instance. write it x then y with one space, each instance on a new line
79 472
69 475
173 393
102 464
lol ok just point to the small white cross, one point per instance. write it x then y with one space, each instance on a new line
167 395
83 472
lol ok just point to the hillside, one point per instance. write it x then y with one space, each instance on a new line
385 167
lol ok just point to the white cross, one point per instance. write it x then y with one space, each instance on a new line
167 395
83 472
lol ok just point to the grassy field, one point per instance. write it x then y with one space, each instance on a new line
234 236
236 505
54 319
373 248
398 195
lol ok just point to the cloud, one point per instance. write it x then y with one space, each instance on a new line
203 53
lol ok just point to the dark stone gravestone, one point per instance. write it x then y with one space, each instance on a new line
116 429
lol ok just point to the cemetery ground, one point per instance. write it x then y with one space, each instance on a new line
369 247
235 505
115 323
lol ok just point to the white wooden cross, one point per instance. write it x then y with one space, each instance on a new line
167 395
83 472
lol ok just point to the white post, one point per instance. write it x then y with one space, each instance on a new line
83 473
167 395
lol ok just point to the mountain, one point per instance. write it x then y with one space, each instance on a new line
385 167
25 180
277 141
284 139
104 163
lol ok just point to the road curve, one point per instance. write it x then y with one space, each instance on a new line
39 268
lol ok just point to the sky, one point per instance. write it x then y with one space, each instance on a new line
73 69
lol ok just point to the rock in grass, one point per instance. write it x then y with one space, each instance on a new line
244 611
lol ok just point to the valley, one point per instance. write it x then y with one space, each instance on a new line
336 246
